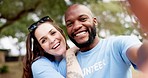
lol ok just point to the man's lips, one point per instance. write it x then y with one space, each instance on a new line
76 34
80 33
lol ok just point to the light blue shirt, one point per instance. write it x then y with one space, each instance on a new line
107 59
44 68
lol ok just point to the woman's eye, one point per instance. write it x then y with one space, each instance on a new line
43 41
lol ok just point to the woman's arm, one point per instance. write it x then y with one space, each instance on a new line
73 67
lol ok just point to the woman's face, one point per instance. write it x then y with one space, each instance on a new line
50 39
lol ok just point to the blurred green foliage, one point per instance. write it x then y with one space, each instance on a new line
17 15
3 69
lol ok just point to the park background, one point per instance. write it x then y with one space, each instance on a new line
114 16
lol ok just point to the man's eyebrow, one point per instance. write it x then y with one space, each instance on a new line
67 20
83 15
78 17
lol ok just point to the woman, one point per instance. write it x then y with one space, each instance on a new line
45 46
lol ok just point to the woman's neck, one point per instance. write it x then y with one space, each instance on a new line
58 58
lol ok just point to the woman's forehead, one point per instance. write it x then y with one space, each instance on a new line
44 28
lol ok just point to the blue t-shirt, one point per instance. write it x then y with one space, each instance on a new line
106 60
44 68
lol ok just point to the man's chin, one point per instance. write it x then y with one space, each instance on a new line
81 42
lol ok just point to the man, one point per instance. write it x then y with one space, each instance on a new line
99 58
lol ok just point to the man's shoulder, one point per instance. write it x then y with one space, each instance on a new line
121 37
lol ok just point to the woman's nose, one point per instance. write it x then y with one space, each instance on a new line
51 39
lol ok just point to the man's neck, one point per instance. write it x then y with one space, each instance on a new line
95 42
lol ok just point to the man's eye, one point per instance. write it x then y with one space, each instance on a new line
83 19
69 24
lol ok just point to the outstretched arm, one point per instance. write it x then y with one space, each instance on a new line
140 9
143 57
73 67
139 55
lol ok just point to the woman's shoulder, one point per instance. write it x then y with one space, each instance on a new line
41 61
43 67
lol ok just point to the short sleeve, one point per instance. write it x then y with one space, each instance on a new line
44 68
125 43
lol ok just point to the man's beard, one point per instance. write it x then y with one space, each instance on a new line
92 34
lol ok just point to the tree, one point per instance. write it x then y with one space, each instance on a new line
17 15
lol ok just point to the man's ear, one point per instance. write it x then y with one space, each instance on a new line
95 21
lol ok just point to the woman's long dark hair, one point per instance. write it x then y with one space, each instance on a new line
34 51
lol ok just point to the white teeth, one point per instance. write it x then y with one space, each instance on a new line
56 45
80 33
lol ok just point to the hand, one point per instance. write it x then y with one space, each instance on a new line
140 9
71 51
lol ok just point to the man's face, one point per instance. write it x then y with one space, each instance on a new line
80 26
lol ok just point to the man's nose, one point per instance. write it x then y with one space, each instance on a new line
77 25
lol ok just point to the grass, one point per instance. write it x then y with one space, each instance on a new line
15 71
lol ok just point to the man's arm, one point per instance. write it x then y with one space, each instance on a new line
142 63
73 67
138 54
140 9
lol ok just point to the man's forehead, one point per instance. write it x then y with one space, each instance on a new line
78 9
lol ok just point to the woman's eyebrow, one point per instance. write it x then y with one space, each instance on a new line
43 36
